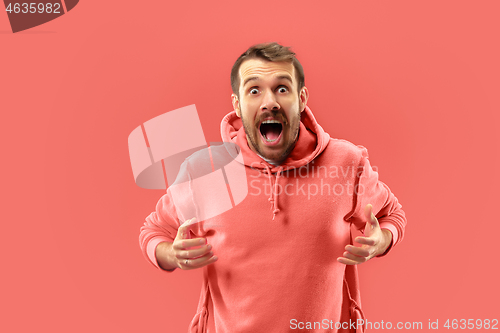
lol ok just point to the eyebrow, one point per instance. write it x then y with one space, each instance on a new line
256 78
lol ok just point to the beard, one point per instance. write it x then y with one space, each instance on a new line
252 133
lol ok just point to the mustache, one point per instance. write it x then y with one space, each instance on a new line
275 115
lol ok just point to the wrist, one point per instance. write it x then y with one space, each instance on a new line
387 242
165 256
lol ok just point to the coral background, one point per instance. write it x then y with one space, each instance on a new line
417 83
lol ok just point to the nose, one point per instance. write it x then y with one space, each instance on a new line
269 102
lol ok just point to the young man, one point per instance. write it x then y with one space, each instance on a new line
291 267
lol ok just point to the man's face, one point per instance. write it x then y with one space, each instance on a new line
269 106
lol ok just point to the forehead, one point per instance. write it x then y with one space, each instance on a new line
263 69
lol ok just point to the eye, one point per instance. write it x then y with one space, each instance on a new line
254 91
282 89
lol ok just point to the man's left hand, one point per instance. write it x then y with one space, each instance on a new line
375 242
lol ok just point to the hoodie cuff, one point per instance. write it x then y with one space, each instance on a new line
151 251
394 231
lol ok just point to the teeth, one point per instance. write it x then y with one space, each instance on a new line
271 122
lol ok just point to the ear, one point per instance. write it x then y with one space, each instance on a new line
303 97
236 104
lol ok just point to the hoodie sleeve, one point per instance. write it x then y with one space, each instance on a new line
370 190
160 226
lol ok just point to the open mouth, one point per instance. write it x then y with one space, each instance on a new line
271 130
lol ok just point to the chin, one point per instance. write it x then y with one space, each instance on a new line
275 155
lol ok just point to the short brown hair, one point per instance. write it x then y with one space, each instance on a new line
270 52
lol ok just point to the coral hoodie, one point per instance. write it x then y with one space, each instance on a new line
277 269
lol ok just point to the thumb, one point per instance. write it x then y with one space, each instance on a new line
371 220
185 228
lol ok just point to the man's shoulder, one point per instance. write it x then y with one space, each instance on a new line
213 152
346 148
208 159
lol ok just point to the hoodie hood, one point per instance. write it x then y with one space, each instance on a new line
311 142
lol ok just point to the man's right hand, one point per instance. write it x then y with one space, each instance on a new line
185 252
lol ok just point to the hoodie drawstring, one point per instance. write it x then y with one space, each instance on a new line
273 197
